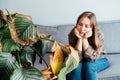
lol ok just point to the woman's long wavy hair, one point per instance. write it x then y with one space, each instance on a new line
94 40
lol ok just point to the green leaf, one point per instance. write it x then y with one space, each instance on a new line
9 45
5 33
25 28
27 73
27 56
68 68
2 23
42 45
8 64
2 19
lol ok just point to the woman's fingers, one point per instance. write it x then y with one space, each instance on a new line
88 34
76 32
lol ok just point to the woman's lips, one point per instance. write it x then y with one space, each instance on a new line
82 34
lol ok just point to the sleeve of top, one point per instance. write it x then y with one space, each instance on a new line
90 54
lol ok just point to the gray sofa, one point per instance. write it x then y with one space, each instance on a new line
111 31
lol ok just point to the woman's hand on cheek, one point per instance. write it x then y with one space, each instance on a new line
76 32
87 34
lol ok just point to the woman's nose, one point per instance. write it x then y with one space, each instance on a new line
83 28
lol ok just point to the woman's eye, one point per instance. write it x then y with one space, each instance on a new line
87 26
80 24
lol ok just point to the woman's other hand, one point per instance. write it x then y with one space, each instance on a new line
87 34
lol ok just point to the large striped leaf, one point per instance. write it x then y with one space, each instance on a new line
5 33
8 64
25 28
9 45
27 55
27 73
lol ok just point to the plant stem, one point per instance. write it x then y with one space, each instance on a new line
41 57
19 62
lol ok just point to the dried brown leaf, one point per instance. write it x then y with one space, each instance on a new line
48 74
56 58
26 16
3 16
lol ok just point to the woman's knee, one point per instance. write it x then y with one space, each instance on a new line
89 72
89 67
76 73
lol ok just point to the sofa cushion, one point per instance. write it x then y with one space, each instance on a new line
111 31
59 32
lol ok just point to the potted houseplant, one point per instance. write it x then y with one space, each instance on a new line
21 41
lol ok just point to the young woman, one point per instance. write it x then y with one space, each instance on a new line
86 38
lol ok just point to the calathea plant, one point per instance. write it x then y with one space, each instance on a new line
21 41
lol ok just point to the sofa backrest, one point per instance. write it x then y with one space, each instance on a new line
110 29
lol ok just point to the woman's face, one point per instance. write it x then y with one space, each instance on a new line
84 27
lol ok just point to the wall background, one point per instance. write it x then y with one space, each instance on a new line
54 12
